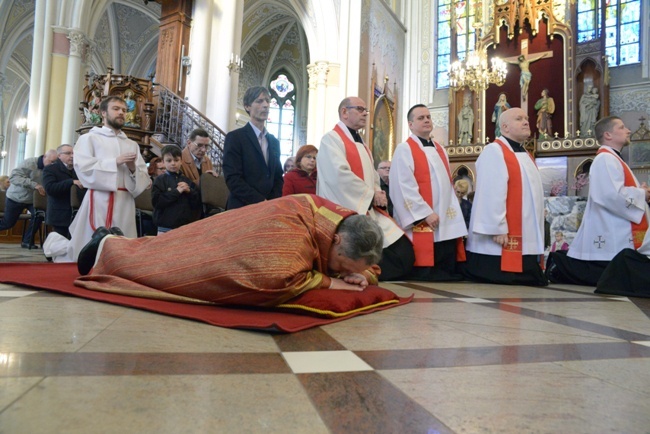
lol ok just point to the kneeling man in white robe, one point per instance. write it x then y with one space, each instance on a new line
347 176
506 229
615 217
424 201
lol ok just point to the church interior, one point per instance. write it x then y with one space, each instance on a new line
461 357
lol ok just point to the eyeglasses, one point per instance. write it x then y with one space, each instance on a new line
65 153
360 108
201 146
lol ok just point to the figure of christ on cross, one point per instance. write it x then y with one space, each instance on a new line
524 60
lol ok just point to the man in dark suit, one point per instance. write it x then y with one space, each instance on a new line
251 159
58 179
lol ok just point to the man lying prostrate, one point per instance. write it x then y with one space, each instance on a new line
628 273
258 255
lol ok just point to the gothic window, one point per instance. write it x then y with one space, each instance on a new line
463 16
282 113
622 28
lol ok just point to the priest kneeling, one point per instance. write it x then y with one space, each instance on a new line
506 229
258 255
628 273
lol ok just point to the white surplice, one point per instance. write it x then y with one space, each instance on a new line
489 206
409 206
337 182
611 206
95 163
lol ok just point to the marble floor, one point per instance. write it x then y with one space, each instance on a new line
461 358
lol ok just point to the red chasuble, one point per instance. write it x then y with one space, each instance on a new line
259 255
423 234
638 229
511 254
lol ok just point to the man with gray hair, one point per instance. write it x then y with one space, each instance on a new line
259 255
347 176
58 179
25 179
251 156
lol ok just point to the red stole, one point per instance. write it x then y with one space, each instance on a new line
638 229
511 254
422 233
351 153
354 160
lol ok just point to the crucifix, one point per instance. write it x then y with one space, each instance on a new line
524 60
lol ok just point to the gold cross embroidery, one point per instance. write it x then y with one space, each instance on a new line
451 213
513 244
408 204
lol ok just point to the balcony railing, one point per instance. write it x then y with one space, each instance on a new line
176 118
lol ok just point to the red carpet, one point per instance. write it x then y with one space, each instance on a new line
60 278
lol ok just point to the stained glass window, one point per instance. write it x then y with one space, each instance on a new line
282 113
463 15
444 43
622 28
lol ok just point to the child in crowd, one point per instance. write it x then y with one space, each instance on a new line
175 198
559 243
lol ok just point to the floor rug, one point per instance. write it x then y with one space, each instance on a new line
60 278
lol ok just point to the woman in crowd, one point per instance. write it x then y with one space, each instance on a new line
289 165
302 179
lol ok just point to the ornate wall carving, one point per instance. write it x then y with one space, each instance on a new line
629 99
440 117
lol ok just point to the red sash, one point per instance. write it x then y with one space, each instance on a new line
423 237
511 254
638 229
354 160
351 153
108 223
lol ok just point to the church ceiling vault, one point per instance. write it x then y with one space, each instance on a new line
272 40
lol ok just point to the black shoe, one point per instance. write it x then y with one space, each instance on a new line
551 272
116 231
29 246
88 254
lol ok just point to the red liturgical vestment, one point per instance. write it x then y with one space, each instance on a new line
258 255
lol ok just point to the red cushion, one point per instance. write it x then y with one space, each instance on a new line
334 303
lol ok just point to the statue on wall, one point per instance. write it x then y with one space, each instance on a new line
589 108
466 123
501 106
545 107
92 115
132 118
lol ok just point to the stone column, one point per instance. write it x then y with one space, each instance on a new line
35 77
223 83
317 101
4 127
200 43
78 47
234 75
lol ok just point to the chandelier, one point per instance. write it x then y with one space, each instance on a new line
474 73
